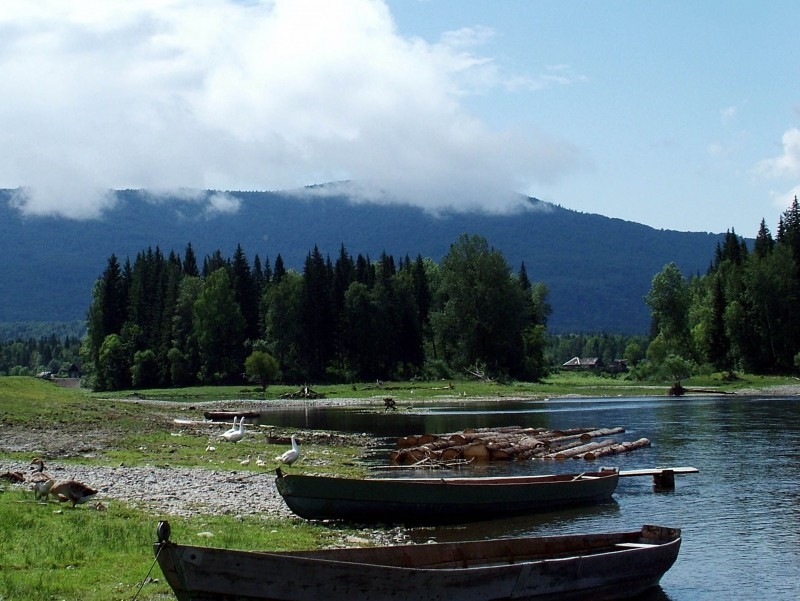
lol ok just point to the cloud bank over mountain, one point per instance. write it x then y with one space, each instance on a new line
225 95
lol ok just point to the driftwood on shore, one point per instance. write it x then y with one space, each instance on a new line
512 443
677 389
305 392
383 386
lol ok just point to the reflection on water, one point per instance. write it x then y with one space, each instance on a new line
516 525
740 515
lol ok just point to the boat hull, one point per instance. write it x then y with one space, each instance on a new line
602 567
440 500
226 415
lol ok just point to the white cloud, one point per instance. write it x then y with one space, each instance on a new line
788 163
782 200
728 114
228 95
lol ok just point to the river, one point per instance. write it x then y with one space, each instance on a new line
740 515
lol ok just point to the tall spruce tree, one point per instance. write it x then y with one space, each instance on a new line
316 316
245 292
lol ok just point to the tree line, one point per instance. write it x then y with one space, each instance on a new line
743 314
29 356
166 321
162 321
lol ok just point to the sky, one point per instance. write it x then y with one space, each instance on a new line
680 115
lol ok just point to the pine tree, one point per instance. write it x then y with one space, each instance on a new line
717 341
107 312
280 270
317 321
245 292
190 262
764 242
522 276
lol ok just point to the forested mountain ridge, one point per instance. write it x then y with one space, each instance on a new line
597 269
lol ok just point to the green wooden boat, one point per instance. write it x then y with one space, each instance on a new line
440 500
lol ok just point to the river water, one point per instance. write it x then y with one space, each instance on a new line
740 515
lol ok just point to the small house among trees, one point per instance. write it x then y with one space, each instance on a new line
595 364
584 364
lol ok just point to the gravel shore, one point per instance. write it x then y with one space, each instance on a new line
173 490
167 490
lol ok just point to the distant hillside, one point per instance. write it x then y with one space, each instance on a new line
597 268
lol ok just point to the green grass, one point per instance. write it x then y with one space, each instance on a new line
53 552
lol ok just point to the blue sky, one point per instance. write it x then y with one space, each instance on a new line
680 115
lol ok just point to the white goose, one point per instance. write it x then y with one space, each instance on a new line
235 435
292 455
235 428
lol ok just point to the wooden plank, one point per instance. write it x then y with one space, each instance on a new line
654 471
635 545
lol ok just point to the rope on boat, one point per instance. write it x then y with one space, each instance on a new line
150 571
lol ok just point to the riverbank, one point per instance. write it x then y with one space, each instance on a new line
221 486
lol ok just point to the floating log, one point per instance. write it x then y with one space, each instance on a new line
571 431
551 450
524 448
476 451
407 441
580 450
585 434
501 443
616 449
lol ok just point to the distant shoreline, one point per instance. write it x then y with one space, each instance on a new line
782 390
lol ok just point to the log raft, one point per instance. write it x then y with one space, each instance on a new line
512 443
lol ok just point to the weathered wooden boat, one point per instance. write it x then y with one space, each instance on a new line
601 567
226 414
439 500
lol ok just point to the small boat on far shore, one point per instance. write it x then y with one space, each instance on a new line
600 567
226 414
440 500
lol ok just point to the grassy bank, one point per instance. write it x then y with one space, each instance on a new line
51 552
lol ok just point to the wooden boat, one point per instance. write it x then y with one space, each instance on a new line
225 414
601 567
439 500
